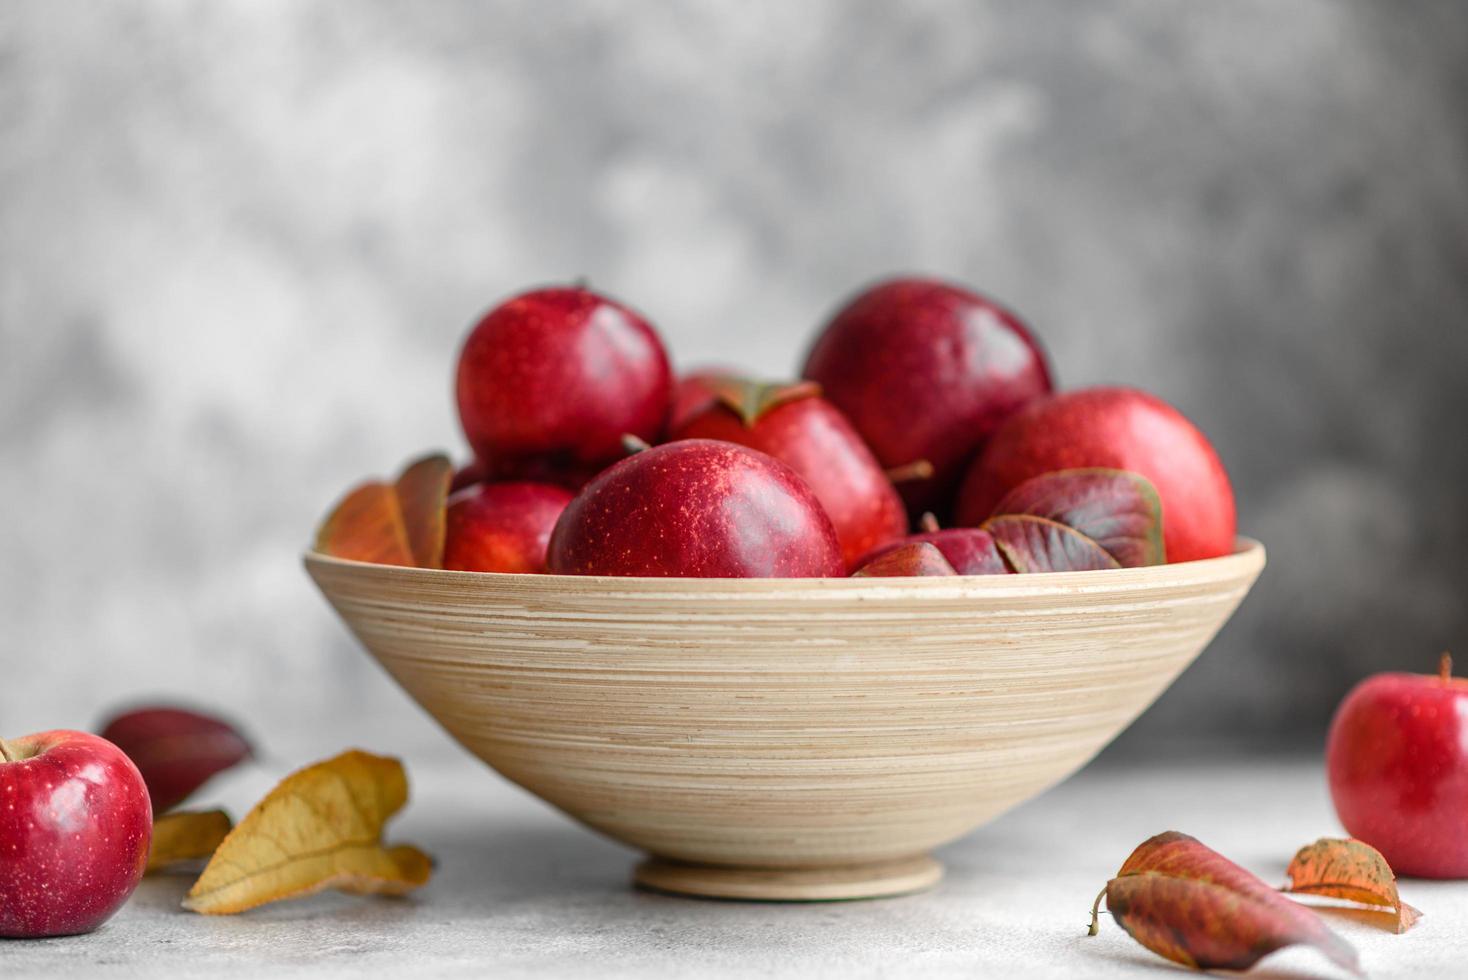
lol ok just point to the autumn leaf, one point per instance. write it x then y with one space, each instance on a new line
320 828
1192 905
912 558
186 835
1351 870
401 523
1038 544
1117 509
176 750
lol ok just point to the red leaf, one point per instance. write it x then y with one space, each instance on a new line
423 491
1117 509
1352 870
398 524
913 558
1037 544
176 750
1192 905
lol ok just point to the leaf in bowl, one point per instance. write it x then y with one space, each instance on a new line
320 828
1038 544
1117 509
1352 870
176 750
911 559
402 523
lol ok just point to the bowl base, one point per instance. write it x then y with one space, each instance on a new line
900 877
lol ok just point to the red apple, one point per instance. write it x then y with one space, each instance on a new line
801 429
697 509
913 558
926 371
1118 428
694 392
1397 758
969 550
75 828
502 527
550 381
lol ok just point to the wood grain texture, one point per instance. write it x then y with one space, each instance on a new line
787 723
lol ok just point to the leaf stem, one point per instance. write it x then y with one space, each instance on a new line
1445 666
1096 914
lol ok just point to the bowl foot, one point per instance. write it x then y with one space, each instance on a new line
901 877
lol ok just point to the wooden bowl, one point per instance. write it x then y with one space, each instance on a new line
787 739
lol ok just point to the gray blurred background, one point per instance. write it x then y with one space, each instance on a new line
240 242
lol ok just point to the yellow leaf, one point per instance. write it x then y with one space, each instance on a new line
320 828
186 835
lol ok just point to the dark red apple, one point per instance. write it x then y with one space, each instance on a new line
1397 759
75 828
912 558
502 527
1123 429
801 429
697 509
926 371
969 550
550 381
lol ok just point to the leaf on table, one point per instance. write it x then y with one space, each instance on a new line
1038 544
176 750
186 835
910 559
320 828
1117 509
1190 904
1351 870
402 523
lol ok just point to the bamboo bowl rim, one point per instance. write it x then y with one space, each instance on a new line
1247 559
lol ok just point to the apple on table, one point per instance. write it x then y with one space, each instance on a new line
75 828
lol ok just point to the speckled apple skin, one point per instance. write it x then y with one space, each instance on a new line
813 438
697 509
75 828
1397 759
550 381
927 370
1124 429
502 527
969 550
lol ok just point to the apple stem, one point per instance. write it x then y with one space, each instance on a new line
7 754
633 444
918 469
928 523
1096 915
1445 666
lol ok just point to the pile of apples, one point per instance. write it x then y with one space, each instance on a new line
920 402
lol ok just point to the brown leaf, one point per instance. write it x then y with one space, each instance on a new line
1117 509
186 835
1352 870
423 493
320 828
1037 544
392 524
175 750
1192 905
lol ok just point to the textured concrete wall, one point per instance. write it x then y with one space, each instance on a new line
239 243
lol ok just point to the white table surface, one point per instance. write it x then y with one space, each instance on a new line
523 891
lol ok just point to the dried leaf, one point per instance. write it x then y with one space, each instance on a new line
320 828
186 835
1192 905
1037 544
423 493
1117 509
392 524
910 559
1352 870
176 750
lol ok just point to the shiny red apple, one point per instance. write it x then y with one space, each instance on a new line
550 381
502 527
1397 760
794 424
1118 428
926 370
694 391
75 828
697 508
